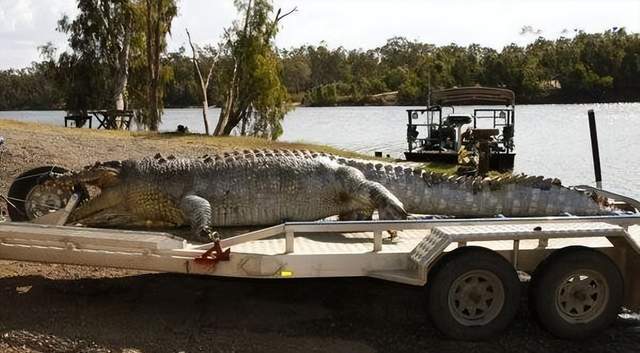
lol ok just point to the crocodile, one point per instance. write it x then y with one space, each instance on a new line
265 187
238 189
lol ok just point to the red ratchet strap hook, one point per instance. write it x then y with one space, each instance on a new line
214 255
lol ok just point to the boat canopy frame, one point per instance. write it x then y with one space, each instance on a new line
474 95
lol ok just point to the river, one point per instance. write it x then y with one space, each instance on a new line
551 139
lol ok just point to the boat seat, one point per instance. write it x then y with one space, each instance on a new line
459 119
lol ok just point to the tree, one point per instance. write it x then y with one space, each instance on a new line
158 16
100 37
296 70
255 96
204 83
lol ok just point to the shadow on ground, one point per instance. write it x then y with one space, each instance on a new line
172 313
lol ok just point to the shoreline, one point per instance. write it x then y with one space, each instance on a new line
297 105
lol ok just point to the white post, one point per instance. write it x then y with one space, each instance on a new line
289 239
377 241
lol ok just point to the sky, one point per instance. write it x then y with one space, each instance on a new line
27 24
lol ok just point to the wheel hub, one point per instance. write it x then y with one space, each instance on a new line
45 199
476 298
582 296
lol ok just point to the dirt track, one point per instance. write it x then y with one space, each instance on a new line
58 308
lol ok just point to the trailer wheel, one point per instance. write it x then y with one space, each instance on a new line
576 292
29 199
473 294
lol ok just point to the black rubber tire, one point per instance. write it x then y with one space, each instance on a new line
456 264
23 184
553 271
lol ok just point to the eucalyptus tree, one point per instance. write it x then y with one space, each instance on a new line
255 96
100 40
154 23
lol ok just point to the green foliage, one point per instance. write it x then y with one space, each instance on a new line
589 67
586 68
153 23
256 99
96 67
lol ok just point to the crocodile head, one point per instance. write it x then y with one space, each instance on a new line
119 203
101 174
105 208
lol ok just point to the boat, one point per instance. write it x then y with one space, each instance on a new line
437 133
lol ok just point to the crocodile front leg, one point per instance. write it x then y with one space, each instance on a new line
197 211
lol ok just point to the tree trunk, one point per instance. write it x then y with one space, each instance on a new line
203 84
153 59
122 76
227 109
225 122
205 108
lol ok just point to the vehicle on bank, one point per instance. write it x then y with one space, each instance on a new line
582 269
436 133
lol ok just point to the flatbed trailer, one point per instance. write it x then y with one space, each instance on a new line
467 265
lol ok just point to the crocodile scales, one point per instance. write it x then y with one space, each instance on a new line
264 187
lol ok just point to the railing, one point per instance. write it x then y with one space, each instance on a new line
290 229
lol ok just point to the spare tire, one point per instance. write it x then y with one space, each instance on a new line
28 199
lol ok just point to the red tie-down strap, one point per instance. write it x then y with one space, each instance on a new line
214 255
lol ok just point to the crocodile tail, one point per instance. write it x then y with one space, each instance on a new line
427 192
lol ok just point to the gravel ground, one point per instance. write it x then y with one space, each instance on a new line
63 308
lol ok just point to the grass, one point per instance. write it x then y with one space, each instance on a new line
443 168
220 143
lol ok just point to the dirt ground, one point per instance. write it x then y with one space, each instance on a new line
62 308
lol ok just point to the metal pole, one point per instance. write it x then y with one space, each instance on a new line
594 148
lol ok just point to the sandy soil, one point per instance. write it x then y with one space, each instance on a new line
62 308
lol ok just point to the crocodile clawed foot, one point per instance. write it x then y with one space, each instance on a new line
208 235
393 234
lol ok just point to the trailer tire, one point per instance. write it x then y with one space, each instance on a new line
22 186
473 294
576 292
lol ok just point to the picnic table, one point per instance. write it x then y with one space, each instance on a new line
107 119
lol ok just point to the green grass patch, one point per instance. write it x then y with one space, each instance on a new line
443 168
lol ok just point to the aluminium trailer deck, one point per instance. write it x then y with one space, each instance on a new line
328 249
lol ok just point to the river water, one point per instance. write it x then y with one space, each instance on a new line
551 140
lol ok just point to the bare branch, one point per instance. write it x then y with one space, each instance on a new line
280 17
195 56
